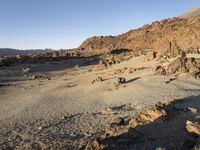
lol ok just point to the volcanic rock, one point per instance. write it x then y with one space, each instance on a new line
160 70
117 121
146 116
150 55
193 128
107 111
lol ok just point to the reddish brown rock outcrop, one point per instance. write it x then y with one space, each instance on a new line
147 116
166 37
181 65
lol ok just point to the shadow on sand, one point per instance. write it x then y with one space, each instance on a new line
167 132
134 79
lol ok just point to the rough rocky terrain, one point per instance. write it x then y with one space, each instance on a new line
56 104
180 65
171 126
138 90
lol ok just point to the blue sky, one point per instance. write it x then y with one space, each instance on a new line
27 24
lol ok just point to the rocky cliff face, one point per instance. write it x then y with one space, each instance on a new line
166 36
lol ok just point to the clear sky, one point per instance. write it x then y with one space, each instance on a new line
27 24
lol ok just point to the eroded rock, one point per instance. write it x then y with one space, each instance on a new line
192 109
117 121
93 145
181 65
193 128
26 70
107 111
159 70
147 116
120 80
150 55
98 79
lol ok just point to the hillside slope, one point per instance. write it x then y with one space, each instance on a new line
166 36
191 13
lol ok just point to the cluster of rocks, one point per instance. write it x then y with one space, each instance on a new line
107 111
98 79
194 131
28 74
118 127
119 81
39 57
6 61
147 116
111 59
163 126
179 66
127 70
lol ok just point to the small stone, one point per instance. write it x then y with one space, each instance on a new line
115 86
117 121
129 71
159 70
192 109
98 79
167 81
121 80
193 127
107 111
87 134
72 134
64 117
26 70
32 77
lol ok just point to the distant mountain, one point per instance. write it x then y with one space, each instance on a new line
10 52
191 13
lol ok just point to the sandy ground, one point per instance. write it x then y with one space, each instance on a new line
63 109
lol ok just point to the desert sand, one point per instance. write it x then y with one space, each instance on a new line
62 109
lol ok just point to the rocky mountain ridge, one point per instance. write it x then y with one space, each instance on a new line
169 36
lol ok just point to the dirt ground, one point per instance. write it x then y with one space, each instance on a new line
61 108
